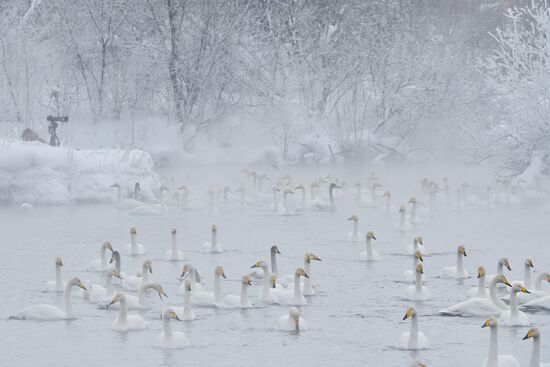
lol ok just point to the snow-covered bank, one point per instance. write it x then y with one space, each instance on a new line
39 174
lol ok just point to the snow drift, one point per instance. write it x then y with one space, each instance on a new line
40 174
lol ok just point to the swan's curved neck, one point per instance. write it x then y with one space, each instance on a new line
144 274
494 298
459 264
244 295
123 315
133 243
514 304
297 288
492 360
481 291
265 289
331 197
418 283
58 280
538 281
527 277
174 246
103 260
413 336
217 288
274 269
307 281
167 327
109 284
214 242
355 227
68 303
369 249
535 354
187 304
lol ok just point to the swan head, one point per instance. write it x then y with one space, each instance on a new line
133 230
108 246
502 279
419 240
301 273
174 230
273 280
402 209
214 228
259 264
420 269
188 284
411 311
185 270
532 333
58 261
115 274
333 186
170 314
387 194
76 281
114 257
370 235
309 256
462 250
246 281
418 255
115 185
275 250
412 200
504 262
529 263
294 314
518 288
117 298
148 264
219 271
480 272
491 322
354 218
183 187
157 287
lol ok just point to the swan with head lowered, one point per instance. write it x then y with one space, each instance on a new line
125 321
409 275
494 359
414 339
209 299
354 235
101 264
139 302
458 271
534 334
369 254
57 285
480 305
133 282
293 321
234 301
514 317
212 246
134 248
169 339
418 292
265 295
173 254
294 297
45 312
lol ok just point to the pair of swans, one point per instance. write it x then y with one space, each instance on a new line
173 254
212 246
101 264
139 302
293 321
413 339
134 248
46 312
369 254
458 271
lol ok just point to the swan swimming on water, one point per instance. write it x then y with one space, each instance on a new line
134 248
186 313
293 321
115 257
101 264
171 339
212 246
125 321
209 299
189 272
45 312
494 359
413 339
294 297
369 254
418 292
403 225
57 285
534 334
543 302
139 302
417 245
355 235
409 275
234 301
133 282
265 296
307 288
173 254
458 271
95 293
514 317
127 203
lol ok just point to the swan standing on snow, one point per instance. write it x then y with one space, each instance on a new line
480 306
369 254
101 263
45 312
57 285
418 292
355 235
534 333
265 295
209 299
133 282
141 302
124 321
293 321
458 271
494 359
234 301
409 275
171 339
417 245
414 339
514 317
212 246
174 254
134 248
295 297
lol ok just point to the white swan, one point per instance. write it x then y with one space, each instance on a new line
543 300
481 289
115 257
403 225
417 245
152 209
186 313
480 306
527 266
234 301
409 275
57 285
418 292
494 359
413 217
139 302
171 339
101 263
96 293
502 263
124 321
307 288
355 235
127 203
534 334
293 321
209 299
133 282
388 208
173 254
414 339
134 248
265 296
369 254
514 317
212 246
458 271
321 205
295 297
45 312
